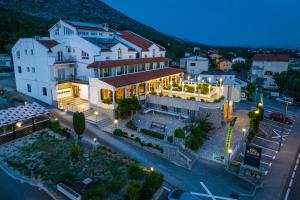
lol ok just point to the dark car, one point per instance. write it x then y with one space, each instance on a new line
279 117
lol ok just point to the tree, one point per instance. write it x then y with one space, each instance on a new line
75 152
127 107
250 91
281 80
79 123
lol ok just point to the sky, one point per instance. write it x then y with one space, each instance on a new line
246 23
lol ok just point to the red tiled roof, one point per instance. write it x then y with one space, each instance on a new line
138 40
120 81
116 63
271 57
48 43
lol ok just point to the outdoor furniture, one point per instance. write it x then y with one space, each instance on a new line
158 125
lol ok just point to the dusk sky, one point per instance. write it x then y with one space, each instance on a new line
257 23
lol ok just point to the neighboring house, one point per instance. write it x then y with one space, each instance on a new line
194 65
238 60
231 85
265 65
5 61
215 56
225 65
294 64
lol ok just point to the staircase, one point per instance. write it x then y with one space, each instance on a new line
104 123
88 112
188 154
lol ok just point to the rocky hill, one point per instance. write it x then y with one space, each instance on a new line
93 11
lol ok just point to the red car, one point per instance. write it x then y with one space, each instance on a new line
279 117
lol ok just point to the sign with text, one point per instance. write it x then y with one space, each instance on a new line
252 156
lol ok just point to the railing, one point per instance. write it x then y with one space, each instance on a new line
71 78
67 59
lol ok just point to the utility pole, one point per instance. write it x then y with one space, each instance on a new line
282 127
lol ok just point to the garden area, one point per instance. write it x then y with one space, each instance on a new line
70 161
10 99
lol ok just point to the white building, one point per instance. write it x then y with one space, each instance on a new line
265 65
238 60
194 65
5 61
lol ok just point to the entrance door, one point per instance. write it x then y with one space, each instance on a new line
60 57
75 91
61 74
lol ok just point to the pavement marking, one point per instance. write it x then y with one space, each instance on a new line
266 163
287 194
293 175
295 168
166 188
264 147
297 161
270 124
266 140
263 154
207 190
266 172
291 182
207 195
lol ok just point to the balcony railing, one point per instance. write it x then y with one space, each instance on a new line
65 60
71 78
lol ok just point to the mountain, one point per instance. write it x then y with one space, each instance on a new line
49 11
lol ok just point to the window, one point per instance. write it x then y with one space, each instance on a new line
31 51
192 64
26 52
119 53
153 53
67 31
19 69
28 88
33 69
28 69
44 91
145 56
94 33
84 55
268 73
18 54
56 31
107 58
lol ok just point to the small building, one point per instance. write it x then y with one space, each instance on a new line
5 61
225 65
238 60
294 64
194 65
215 56
265 65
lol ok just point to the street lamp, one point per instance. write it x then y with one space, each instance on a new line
257 112
96 113
95 140
151 169
116 122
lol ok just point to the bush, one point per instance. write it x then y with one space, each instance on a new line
79 123
130 124
115 186
192 98
75 151
153 182
96 192
135 172
179 133
170 139
132 192
57 128
138 140
120 133
152 133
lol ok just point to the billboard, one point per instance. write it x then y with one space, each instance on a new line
252 156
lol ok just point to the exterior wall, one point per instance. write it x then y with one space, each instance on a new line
225 65
200 66
113 54
149 53
238 60
83 90
95 86
40 73
265 70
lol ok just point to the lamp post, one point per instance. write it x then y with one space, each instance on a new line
116 123
96 114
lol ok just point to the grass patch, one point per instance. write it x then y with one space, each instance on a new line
152 133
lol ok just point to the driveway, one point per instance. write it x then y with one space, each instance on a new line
211 174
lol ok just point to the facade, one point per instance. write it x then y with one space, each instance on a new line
194 65
5 61
265 65
238 60
225 65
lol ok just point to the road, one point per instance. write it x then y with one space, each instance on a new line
211 174
11 189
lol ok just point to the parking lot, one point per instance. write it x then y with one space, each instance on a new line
269 142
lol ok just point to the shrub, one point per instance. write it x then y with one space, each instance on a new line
153 182
79 123
75 151
170 139
137 139
56 127
179 133
135 172
96 192
152 133
115 186
189 89
192 98
130 124
120 133
132 192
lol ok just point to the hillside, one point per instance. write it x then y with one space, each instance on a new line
40 14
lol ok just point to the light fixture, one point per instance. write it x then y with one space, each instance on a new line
229 151
116 121
151 169
96 113
244 130
95 139
18 124
257 112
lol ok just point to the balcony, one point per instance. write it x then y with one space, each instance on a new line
71 60
71 78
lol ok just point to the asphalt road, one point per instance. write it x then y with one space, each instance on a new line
11 189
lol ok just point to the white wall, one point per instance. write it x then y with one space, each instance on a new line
200 66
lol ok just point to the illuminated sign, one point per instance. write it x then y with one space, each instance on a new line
252 156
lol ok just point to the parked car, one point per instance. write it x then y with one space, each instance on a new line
182 195
285 100
279 117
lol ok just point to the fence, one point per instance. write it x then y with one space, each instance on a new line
23 131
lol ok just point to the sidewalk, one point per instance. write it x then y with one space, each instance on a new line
275 181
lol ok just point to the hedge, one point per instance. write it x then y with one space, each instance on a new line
152 134
119 132
179 133
130 124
